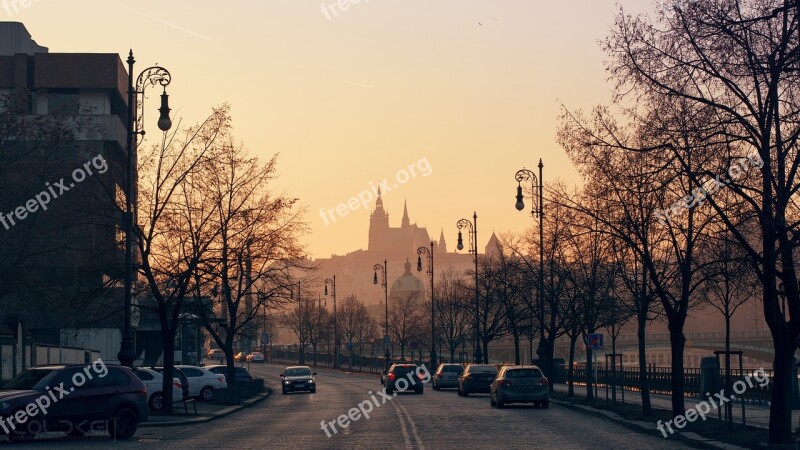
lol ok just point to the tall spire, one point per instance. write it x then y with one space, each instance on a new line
379 202
406 222
442 243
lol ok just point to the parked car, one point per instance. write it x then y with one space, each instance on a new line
118 400
154 382
180 375
215 354
203 383
518 384
240 357
403 371
298 378
476 378
446 376
255 357
242 374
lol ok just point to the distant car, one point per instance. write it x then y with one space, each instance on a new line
476 378
177 373
216 353
446 376
255 357
404 371
118 399
153 380
298 378
240 357
202 382
518 384
242 375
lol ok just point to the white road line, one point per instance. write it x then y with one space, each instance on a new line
420 445
403 426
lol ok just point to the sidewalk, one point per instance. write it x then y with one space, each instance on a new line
206 412
756 415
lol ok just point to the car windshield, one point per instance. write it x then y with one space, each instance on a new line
524 373
298 372
36 379
483 369
403 369
456 369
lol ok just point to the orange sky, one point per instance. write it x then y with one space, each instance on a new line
467 90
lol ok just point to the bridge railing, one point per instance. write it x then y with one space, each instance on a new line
659 381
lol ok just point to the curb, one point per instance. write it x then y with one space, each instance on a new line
638 426
222 413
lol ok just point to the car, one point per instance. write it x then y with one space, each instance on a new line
298 378
397 373
520 384
255 357
242 375
177 373
240 357
202 382
446 376
153 380
476 378
216 353
116 398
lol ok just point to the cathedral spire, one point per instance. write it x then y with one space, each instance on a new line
442 243
379 201
406 222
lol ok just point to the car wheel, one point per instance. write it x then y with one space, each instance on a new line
207 394
283 391
156 402
124 424
313 390
546 404
465 393
500 403
491 400
418 391
19 435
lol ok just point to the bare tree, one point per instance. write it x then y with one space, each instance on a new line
452 311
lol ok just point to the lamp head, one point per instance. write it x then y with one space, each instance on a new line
419 263
520 205
460 245
326 289
375 278
164 122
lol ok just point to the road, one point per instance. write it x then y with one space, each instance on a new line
435 420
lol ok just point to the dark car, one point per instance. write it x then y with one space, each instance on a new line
114 400
177 373
402 377
446 376
298 378
520 384
476 378
242 375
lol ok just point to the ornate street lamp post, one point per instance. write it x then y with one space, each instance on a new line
149 77
537 211
382 268
429 253
473 248
335 329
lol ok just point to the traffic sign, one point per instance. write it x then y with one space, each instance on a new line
264 338
595 341
349 345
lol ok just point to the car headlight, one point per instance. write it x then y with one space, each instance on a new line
310 381
5 405
287 382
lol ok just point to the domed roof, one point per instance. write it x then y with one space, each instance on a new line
407 283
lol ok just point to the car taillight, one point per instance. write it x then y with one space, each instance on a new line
440 375
504 383
144 393
421 377
392 377
177 384
544 381
221 379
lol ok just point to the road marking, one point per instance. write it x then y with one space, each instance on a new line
403 426
420 445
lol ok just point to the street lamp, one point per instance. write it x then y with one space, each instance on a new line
537 211
420 252
473 248
382 268
300 347
149 77
335 329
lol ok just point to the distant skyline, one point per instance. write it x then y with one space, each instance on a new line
352 96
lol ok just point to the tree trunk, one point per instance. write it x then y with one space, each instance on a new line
644 386
728 381
516 348
589 373
677 343
168 340
486 352
780 410
571 370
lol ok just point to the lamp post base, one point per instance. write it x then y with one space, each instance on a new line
387 358
127 352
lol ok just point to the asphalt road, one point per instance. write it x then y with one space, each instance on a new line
435 420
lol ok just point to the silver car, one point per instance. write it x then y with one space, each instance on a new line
520 384
446 376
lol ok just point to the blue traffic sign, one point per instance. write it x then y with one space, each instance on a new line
595 341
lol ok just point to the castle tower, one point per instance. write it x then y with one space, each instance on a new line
378 226
442 246
406 221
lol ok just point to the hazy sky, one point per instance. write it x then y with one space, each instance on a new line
466 91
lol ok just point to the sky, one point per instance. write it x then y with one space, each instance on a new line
443 99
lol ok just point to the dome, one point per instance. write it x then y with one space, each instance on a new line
407 283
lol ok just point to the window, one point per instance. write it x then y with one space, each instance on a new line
192 373
62 102
144 376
